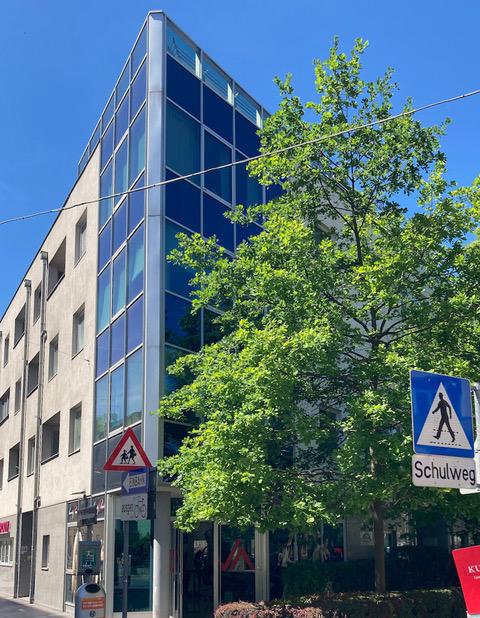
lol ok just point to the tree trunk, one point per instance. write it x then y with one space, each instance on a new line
379 545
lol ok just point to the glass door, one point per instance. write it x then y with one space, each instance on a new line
237 564
176 572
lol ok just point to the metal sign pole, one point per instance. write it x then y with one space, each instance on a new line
126 568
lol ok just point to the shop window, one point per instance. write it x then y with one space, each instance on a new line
103 352
119 283
13 461
138 91
139 51
119 226
75 429
136 205
31 456
135 325
45 551
183 142
4 405
117 398
53 358
6 551
51 438
18 396
183 87
32 380
101 409
176 276
78 330
107 146
121 120
183 202
117 340
19 326
135 264
246 138
103 299
56 267
216 154
81 237
137 146
182 327
134 387
37 302
215 222
121 170
217 114
106 189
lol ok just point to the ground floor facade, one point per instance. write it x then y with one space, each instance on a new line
172 574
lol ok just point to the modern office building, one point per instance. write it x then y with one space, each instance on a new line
87 338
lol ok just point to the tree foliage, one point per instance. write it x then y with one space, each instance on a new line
304 403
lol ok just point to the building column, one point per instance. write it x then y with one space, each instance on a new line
161 557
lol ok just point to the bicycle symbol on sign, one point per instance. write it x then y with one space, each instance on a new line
140 509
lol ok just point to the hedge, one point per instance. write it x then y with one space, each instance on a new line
416 604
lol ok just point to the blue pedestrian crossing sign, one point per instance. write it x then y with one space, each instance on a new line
441 414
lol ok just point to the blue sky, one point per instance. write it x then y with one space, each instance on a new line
59 61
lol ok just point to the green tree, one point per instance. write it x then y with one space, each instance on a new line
304 403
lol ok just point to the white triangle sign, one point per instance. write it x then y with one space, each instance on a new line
442 426
128 454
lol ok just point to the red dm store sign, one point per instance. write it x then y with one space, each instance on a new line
4 527
467 562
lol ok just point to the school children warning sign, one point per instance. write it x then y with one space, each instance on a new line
127 455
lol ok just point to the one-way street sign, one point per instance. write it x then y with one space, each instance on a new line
441 415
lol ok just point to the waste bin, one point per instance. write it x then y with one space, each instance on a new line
90 601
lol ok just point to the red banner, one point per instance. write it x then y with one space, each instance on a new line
467 561
4 527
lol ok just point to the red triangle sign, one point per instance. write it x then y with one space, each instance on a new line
127 455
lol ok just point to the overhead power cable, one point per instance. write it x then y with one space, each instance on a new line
323 138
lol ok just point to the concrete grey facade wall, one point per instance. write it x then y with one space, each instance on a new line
50 580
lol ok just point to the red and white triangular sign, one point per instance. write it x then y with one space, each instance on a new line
127 455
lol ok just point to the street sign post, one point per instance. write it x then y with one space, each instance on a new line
89 557
441 415
439 471
87 515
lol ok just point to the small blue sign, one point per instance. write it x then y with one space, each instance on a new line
441 415
135 482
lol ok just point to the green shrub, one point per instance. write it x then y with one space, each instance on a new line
416 604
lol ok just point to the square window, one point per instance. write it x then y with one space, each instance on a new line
217 154
13 461
137 147
37 302
45 550
81 237
18 395
121 170
136 260
51 438
53 358
138 91
4 405
119 226
117 398
215 222
135 325
32 381
56 267
78 331
183 87
183 142
134 387
218 114
105 246
31 456
19 326
6 349
103 299
136 205
183 202
75 429
182 327
103 352
121 121
118 340
101 408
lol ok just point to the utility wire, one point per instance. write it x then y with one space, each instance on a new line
352 129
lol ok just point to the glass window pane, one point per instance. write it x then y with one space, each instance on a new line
117 398
119 226
101 408
171 382
106 188
273 192
173 436
183 203
182 328
118 285
114 479
107 146
139 51
247 105
118 339
183 142
135 264
95 138
137 147
104 246
123 82
176 277
136 205
134 387
211 329
183 87
244 232
181 49
216 79
99 458
108 113
103 352
248 191
121 170
138 91
135 325
217 153
215 222
218 114
121 121
103 300
246 136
